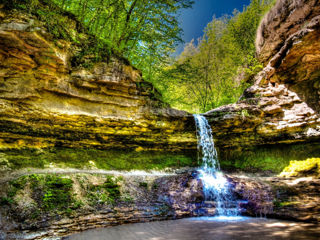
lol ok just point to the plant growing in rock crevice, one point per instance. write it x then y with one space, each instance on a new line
49 194
106 193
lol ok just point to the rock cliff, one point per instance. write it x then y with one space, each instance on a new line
282 106
49 98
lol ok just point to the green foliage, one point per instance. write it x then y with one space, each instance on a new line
144 31
6 201
57 192
272 158
215 71
155 186
244 113
14 187
108 192
63 25
112 187
52 192
279 204
143 184
56 24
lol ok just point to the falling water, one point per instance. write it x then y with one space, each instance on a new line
215 184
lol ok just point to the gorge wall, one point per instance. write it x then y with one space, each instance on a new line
54 95
59 106
281 109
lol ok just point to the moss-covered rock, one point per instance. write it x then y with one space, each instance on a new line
51 205
92 158
308 167
270 159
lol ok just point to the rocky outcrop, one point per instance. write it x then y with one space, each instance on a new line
283 104
285 198
47 99
97 200
140 198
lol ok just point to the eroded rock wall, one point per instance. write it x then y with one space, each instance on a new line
92 200
106 200
47 100
282 107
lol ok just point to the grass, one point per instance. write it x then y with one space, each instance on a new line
106 193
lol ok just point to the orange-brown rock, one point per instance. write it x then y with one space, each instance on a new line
46 101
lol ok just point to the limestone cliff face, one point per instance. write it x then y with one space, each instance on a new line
283 104
47 101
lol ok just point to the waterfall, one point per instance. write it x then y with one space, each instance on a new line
215 185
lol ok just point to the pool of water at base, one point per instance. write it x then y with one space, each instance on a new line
206 228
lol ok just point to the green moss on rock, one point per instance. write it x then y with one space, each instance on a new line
37 195
97 159
310 166
63 25
106 193
268 158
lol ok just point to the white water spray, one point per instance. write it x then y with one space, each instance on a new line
215 185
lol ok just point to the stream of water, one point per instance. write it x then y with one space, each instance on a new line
215 185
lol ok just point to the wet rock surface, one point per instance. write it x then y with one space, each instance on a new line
141 199
156 198
285 198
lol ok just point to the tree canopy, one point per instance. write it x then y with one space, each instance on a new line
146 32
216 70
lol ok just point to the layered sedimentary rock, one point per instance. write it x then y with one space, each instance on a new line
292 199
126 199
283 104
47 100
97 200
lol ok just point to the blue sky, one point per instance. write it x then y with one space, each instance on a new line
194 20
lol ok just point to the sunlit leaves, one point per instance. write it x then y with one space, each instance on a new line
214 72
144 31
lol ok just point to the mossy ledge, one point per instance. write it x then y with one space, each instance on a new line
94 159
